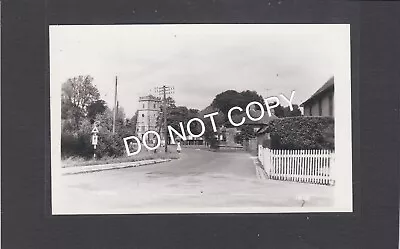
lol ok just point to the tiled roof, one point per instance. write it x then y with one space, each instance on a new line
262 130
328 85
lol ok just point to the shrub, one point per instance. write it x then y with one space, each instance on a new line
302 133
69 143
110 145
79 143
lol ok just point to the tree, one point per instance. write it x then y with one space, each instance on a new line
294 113
193 113
279 111
105 119
170 102
97 107
246 133
80 92
225 100
195 127
133 122
209 134
120 116
231 98
282 112
77 94
175 114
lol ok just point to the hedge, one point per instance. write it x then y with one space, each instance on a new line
302 133
79 143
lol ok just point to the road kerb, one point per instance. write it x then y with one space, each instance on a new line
86 169
261 174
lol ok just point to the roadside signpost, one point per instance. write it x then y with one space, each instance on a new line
95 130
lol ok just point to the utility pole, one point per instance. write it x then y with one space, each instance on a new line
115 104
164 90
148 121
116 115
165 120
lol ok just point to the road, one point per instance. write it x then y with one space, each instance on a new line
200 181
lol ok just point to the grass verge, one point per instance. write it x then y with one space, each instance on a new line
78 161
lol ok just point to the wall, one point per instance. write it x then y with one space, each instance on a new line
152 105
147 117
312 109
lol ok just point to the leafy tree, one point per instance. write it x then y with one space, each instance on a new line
231 98
120 117
175 115
97 107
282 112
246 133
295 113
106 119
209 134
77 94
132 122
170 102
193 113
195 127
279 111
80 92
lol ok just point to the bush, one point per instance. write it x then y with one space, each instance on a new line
110 145
302 133
79 143
69 144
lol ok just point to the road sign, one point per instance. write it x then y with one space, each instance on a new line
95 130
94 139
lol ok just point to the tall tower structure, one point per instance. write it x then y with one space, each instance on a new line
149 109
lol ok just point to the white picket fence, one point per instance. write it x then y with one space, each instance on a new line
309 166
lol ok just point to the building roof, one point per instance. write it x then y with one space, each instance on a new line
149 97
329 85
262 130
254 113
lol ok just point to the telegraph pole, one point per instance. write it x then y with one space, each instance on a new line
165 119
164 90
117 109
115 104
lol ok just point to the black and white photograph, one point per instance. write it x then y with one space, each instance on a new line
200 118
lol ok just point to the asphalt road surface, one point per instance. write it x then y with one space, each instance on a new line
200 181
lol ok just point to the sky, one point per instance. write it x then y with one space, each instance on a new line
200 61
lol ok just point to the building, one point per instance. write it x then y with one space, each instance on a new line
149 109
230 131
190 140
321 103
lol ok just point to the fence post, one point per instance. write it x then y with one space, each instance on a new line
332 170
270 163
267 162
326 167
